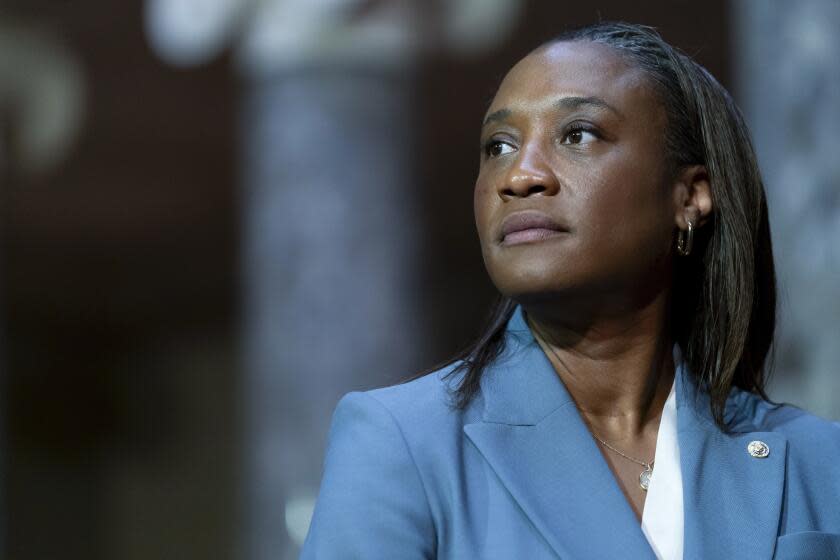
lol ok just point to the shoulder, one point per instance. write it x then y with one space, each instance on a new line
422 409
806 433
781 417
812 480
414 423
379 451
383 450
429 396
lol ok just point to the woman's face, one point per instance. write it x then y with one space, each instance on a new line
572 196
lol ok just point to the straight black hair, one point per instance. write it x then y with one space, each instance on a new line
724 295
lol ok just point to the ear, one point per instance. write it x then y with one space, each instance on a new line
692 196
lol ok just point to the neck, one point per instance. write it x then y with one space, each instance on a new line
618 367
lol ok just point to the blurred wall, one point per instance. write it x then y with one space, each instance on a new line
788 84
119 297
120 277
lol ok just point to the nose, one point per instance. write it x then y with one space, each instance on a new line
529 175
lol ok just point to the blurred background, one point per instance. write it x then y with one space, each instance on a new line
218 216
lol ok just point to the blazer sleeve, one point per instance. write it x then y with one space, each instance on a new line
372 503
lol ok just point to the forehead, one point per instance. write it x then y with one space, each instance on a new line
581 68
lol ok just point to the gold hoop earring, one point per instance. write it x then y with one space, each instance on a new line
685 240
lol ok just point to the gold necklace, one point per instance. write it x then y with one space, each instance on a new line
645 475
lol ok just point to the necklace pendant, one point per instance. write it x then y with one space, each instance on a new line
644 478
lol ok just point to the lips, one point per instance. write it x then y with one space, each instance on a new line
529 225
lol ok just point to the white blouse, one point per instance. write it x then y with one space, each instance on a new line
662 517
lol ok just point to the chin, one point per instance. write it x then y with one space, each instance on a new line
525 283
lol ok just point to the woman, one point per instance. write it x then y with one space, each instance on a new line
615 406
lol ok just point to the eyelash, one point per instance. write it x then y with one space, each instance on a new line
490 145
570 129
581 127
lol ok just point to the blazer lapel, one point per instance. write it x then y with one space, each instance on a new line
537 444
732 500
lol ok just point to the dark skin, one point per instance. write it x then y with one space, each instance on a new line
576 133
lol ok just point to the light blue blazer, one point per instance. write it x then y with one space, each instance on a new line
517 475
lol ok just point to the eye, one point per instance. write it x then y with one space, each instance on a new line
579 134
496 148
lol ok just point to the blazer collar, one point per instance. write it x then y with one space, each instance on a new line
538 445
536 442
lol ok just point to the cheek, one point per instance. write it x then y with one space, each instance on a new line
482 207
628 208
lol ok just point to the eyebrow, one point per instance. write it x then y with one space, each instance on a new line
496 116
567 103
